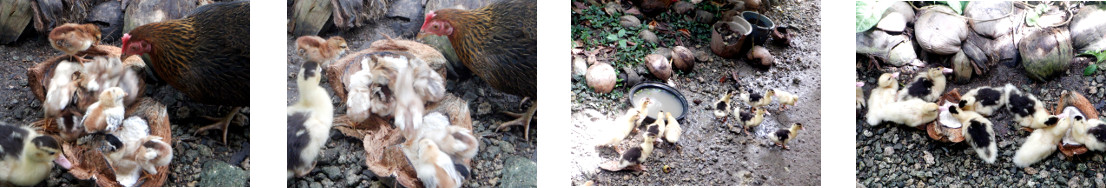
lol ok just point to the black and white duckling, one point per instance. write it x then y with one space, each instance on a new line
782 136
986 100
623 125
1027 110
722 106
27 157
756 99
750 119
309 121
979 133
927 85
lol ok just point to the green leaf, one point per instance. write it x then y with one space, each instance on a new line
957 6
622 44
621 32
1090 69
867 15
1099 56
612 37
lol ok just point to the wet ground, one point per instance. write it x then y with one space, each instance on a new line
342 162
711 154
191 153
898 156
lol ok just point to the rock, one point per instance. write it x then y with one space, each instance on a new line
683 7
519 172
893 22
151 11
220 174
927 157
629 21
332 172
1086 27
648 36
109 17
579 66
704 17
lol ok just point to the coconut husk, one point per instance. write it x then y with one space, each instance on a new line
39 76
1074 99
940 132
1046 52
17 14
382 153
340 71
940 30
90 164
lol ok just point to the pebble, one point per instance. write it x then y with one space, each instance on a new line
332 172
888 151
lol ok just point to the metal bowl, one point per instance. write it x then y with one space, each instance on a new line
676 94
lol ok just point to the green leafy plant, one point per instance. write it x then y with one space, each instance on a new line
868 14
1031 17
957 6
1099 56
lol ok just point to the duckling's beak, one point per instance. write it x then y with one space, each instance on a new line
63 162
946 70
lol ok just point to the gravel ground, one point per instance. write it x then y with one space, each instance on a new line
711 154
342 162
191 153
898 156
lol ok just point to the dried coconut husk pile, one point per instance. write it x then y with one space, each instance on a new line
1074 99
381 140
88 162
940 132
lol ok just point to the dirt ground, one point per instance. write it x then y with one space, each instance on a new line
342 163
711 154
190 152
897 156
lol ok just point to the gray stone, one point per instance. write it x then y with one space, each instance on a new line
649 37
220 174
332 172
629 21
519 172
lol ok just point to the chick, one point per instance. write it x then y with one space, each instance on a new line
672 130
74 38
359 102
633 158
309 121
455 141
756 99
859 96
722 107
883 93
785 98
63 85
153 153
985 100
1028 111
69 124
912 113
107 113
750 119
927 85
1042 142
623 125
122 155
979 133
315 49
27 157
434 167
780 137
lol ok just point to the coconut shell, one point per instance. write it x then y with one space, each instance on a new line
1087 27
940 132
659 66
340 71
992 18
601 77
940 30
1073 98
760 56
88 162
683 58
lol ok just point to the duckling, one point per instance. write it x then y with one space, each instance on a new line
1042 142
859 96
750 120
785 98
658 127
153 153
1089 132
722 107
984 100
309 121
25 156
756 99
979 133
883 94
780 137
433 166
927 85
1028 111
107 113
623 125
63 84
635 157
912 113
672 129
455 141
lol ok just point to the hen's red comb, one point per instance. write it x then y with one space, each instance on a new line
426 19
126 37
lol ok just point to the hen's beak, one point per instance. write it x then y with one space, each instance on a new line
421 35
